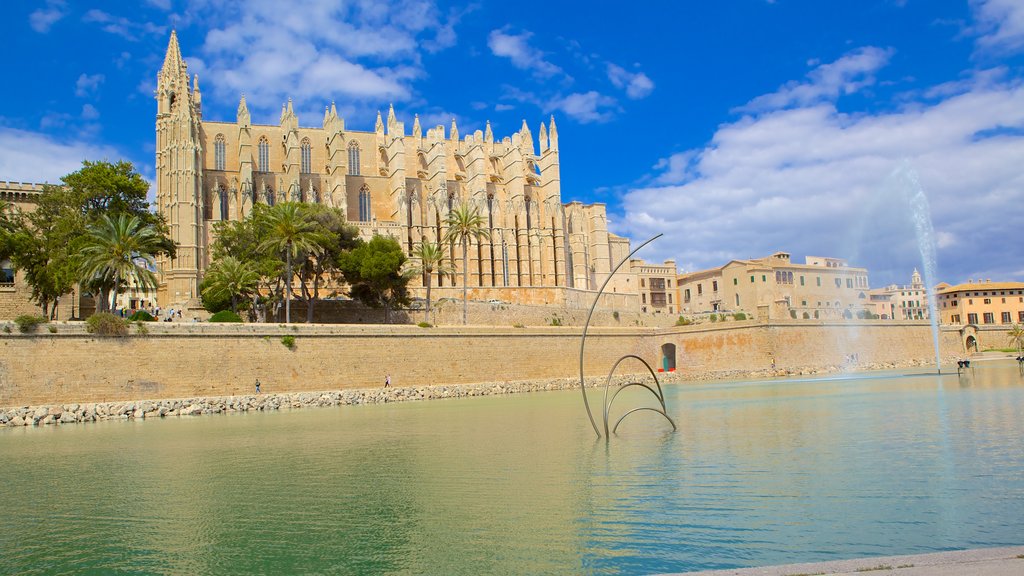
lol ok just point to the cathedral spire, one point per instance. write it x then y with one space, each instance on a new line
543 138
527 137
488 134
455 131
417 131
173 60
243 111
379 126
553 135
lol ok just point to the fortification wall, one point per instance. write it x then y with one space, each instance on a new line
180 360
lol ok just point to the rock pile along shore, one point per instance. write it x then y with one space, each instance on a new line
142 409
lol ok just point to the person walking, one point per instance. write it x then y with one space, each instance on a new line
387 380
257 385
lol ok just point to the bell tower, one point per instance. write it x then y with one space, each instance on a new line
179 179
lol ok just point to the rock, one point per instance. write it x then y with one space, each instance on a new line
139 414
68 418
48 419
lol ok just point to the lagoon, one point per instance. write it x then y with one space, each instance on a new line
759 472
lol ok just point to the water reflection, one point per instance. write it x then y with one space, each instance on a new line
758 473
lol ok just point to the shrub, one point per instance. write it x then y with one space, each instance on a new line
225 316
743 315
141 329
615 315
556 321
142 316
28 323
106 324
52 329
714 317
288 341
683 321
425 325
7 329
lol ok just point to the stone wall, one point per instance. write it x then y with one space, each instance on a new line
182 360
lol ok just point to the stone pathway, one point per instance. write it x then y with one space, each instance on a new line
980 562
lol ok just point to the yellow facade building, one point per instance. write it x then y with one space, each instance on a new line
392 181
775 287
981 303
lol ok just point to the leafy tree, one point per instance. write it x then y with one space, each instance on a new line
374 274
430 258
121 248
465 224
289 231
241 239
231 279
318 269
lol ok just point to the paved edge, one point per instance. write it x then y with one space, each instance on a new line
998 561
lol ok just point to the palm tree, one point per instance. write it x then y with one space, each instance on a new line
1017 338
431 259
465 224
121 248
233 278
291 232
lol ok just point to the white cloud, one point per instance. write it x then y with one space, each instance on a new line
88 84
121 26
516 48
366 52
637 85
847 75
1000 24
89 112
33 157
585 107
43 19
812 180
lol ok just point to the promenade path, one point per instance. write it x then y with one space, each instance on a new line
980 562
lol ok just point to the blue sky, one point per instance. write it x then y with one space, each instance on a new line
737 128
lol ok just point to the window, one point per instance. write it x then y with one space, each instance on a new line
353 158
955 318
819 280
972 318
989 318
735 281
988 300
970 300
668 282
669 297
364 202
219 152
307 156
658 284
1020 316
224 205
643 298
642 285
7 274
801 280
849 282
270 197
737 300
264 155
839 283
714 285
686 297
1006 318
700 289
764 278
751 278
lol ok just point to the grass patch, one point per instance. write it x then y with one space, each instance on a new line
288 341
52 329
425 325
683 321
517 325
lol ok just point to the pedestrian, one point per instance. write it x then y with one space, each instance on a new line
257 385
773 362
387 381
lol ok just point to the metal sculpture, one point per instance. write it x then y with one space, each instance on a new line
607 403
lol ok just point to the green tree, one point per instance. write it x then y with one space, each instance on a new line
291 232
121 248
230 278
374 274
241 240
464 225
316 270
429 258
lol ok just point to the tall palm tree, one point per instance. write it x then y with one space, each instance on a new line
464 224
233 278
291 231
430 257
1017 337
121 248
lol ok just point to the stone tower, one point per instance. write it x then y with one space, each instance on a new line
179 176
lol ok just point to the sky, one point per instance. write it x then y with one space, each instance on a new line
859 129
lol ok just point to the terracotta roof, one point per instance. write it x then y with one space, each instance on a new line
975 286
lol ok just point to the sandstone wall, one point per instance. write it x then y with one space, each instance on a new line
182 360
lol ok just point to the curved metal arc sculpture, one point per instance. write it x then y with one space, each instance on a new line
658 393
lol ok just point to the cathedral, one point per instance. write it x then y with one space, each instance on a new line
387 182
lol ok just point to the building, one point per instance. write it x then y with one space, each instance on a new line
15 293
388 182
658 285
981 303
894 302
775 287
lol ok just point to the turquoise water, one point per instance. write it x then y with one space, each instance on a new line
759 473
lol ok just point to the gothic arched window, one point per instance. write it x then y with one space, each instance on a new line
264 155
223 204
364 203
307 156
353 158
219 152
270 196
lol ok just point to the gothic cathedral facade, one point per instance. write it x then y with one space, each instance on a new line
386 182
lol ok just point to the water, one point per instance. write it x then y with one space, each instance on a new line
759 473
